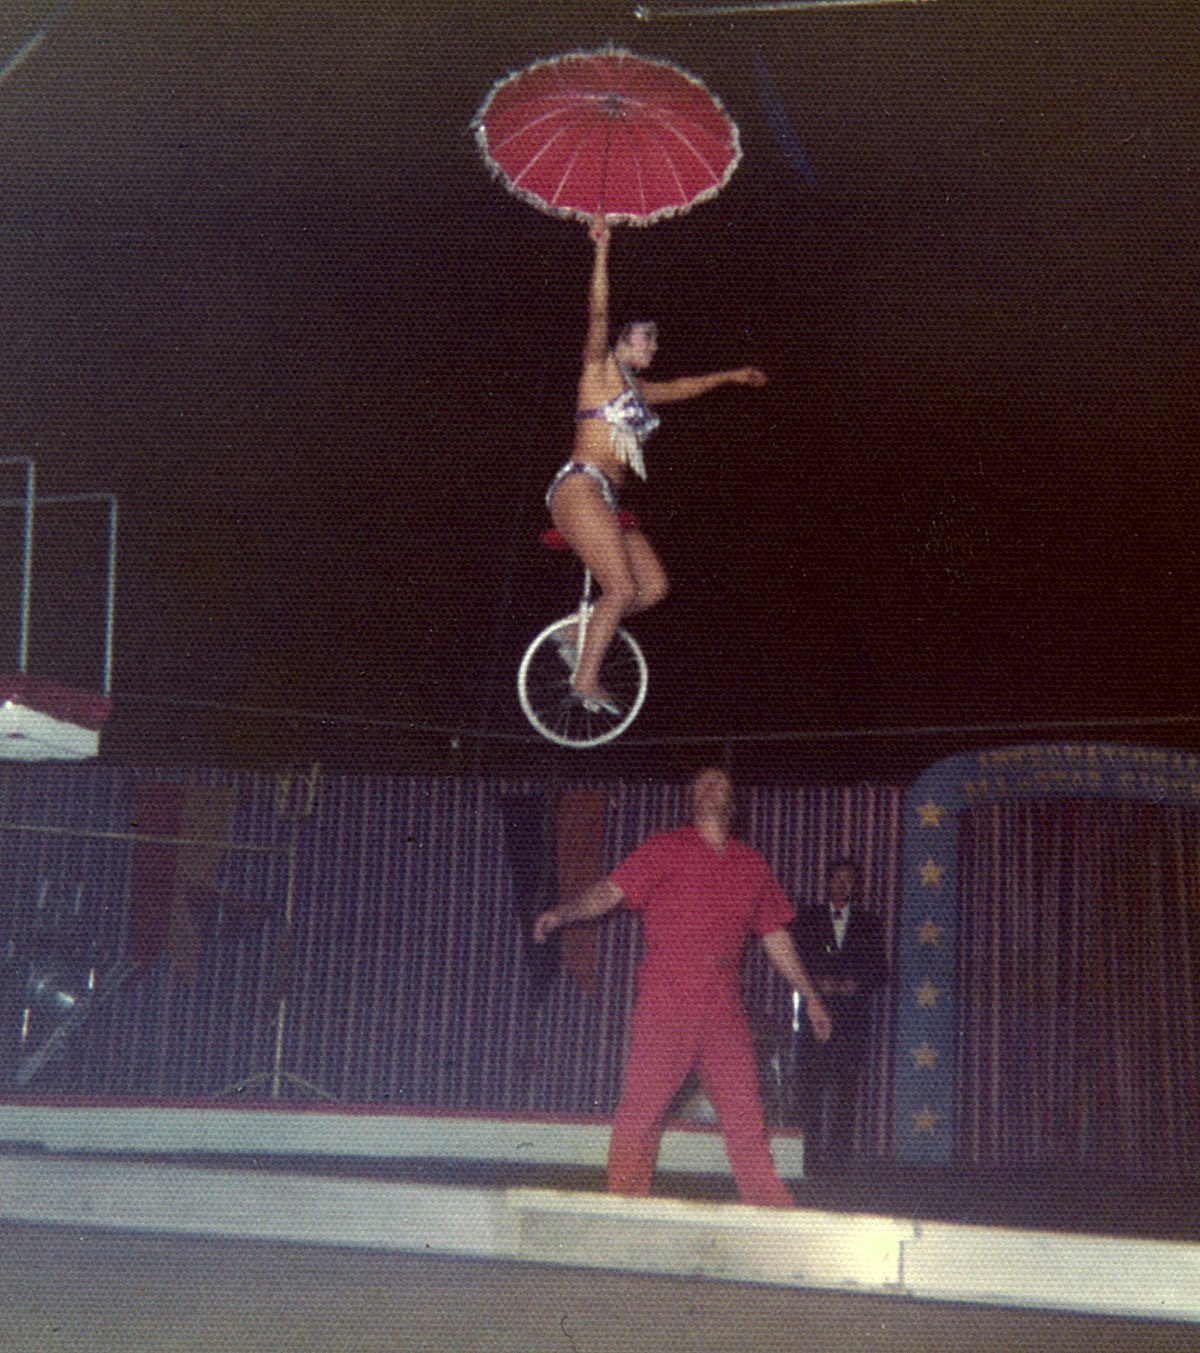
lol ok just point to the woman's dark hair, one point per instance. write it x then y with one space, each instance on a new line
625 332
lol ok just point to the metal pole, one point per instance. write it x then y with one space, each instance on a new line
289 904
27 556
306 792
110 589
138 838
27 568
27 560
110 605
648 12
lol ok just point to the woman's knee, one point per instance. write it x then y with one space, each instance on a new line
654 590
651 577
620 589
650 589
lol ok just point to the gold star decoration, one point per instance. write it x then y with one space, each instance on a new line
926 1121
929 932
927 994
931 873
925 1057
930 813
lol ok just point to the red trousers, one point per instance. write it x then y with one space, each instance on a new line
671 1033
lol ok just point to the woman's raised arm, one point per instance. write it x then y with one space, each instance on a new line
595 346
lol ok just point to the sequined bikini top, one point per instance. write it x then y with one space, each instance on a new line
631 421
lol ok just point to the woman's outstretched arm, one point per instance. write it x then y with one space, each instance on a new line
688 387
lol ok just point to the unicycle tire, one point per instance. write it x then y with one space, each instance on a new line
544 688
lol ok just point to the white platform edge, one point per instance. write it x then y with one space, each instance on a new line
254 1205
166 1129
1124 1275
729 1241
30 735
1093 1274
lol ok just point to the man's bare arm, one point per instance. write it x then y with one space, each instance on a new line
599 899
786 961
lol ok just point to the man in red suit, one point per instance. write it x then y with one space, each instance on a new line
842 946
701 893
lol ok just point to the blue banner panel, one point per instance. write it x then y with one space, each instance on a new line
926 1050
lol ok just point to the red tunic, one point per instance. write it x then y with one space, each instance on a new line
698 908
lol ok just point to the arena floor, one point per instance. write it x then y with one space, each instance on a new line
65 1290
168 1249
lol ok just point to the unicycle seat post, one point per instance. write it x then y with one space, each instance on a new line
585 605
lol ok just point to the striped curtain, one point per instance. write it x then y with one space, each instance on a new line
404 971
800 832
1080 987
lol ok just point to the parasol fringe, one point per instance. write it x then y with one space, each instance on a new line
479 130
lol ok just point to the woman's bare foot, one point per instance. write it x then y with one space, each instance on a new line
597 701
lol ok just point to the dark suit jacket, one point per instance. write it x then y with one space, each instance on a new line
862 956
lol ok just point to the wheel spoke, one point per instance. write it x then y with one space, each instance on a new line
544 689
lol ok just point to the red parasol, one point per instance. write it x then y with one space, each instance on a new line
611 132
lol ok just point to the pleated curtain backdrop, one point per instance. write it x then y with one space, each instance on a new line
407 978
405 969
1079 996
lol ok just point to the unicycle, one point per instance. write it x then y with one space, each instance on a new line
544 676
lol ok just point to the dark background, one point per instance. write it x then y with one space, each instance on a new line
255 280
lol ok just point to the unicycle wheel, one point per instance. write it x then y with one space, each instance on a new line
544 687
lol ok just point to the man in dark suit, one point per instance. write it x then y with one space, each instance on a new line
843 950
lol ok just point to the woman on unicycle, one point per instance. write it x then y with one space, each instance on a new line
614 417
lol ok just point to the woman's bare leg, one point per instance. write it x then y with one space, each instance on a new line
648 572
592 530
